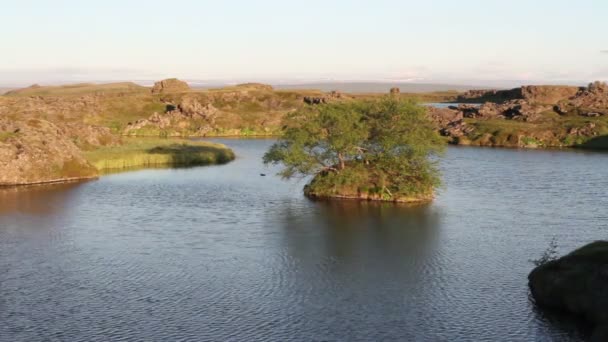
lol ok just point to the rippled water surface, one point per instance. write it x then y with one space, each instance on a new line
223 254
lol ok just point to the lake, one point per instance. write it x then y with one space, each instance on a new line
221 253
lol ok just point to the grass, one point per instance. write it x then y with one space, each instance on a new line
78 89
140 152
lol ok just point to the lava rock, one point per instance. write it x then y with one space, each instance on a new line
576 283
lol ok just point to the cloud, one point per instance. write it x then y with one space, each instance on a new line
604 51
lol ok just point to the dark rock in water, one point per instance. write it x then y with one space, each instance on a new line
576 283
263 174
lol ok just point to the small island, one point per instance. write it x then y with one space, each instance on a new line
380 149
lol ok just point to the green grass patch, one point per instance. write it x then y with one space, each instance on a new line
140 152
4 136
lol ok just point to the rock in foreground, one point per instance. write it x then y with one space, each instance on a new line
576 283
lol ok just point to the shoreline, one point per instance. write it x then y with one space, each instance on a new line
328 198
49 182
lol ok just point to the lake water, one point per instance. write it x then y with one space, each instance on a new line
223 254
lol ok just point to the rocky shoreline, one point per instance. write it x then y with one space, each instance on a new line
43 130
369 198
528 117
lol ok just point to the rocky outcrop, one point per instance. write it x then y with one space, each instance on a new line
576 283
450 121
327 98
170 85
88 136
538 105
591 101
36 151
489 95
547 94
444 116
189 115
513 109
533 94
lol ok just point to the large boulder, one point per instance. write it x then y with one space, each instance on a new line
37 151
170 85
576 283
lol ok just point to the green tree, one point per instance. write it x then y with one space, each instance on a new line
378 149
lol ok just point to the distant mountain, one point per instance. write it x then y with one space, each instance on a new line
378 87
4 90
79 88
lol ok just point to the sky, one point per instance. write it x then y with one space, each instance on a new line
432 41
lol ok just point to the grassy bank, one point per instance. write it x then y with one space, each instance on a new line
143 152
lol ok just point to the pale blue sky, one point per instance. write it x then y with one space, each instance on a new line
426 41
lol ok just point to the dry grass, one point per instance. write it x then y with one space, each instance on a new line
79 89
143 152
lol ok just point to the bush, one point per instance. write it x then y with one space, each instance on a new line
374 149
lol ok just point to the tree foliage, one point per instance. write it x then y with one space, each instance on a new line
380 149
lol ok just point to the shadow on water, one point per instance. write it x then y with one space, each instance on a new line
48 199
598 143
570 325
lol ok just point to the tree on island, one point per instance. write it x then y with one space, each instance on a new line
377 150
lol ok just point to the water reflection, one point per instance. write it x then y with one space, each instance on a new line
48 199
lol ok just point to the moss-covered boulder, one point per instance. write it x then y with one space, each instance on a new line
576 283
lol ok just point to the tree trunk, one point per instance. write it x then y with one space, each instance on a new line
341 159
